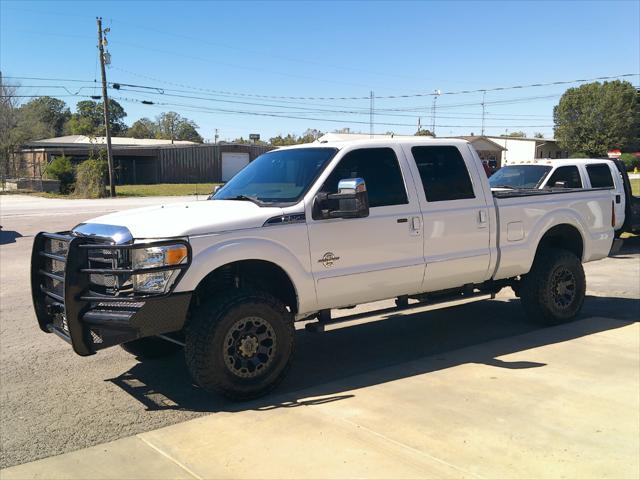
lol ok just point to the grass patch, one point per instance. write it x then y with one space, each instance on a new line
635 186
164 189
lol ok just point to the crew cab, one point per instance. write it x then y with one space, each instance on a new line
576 173
303 230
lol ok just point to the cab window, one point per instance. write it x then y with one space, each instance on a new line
600 176
381 173
569 175
443 173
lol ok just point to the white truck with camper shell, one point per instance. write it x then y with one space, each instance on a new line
300 231
576 173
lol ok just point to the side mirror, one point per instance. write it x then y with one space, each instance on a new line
560 184
351 201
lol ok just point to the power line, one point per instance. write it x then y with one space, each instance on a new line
412 95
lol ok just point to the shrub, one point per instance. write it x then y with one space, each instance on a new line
630 161
62 170
91 178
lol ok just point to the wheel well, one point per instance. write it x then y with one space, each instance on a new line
265 276
562 236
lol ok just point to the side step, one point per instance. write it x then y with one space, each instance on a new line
325 320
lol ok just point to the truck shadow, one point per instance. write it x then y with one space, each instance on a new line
9 236
329 364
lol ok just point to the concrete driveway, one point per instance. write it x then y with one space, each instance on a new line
472 390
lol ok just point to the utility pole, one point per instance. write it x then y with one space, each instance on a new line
215 137
483 111
371 114
105 102
436 94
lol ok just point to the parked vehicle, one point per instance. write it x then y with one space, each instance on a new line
303 230
576 173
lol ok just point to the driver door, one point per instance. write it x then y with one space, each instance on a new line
358 260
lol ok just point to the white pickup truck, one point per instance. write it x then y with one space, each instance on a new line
576 173
303 230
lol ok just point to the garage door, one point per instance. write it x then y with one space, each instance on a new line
232 163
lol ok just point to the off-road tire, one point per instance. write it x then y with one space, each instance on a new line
554 289
211 344
150 347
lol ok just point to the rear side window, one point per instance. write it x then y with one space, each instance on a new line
600 176
569 175
443 173
380 170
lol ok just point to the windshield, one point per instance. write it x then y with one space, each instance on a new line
519 176
280 176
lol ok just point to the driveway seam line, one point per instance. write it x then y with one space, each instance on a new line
170 458
408 447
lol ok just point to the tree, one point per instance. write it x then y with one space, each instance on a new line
538 135
89 119
310 135
9 139
518 134
423 132
143 128
44 117
172 126
596 117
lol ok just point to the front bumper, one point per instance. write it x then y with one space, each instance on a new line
67 304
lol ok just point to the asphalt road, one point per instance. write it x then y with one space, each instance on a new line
53 401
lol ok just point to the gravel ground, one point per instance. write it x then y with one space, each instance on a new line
53 401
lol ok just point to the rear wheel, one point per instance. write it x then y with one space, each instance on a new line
240 344
553 291
150 347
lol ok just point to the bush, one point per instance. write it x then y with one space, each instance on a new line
630 161
62 170
91 179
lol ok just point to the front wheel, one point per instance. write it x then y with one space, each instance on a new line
240 344
553 291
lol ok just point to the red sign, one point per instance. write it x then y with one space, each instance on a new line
614 153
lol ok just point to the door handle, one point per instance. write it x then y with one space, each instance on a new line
416 224
482 218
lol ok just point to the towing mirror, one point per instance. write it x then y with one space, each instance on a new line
351 201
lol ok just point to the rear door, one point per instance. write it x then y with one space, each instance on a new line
357 260
604 175
455 215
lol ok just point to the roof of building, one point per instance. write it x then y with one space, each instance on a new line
474 138
82 140
524 139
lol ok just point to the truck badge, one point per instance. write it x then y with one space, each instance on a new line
328 259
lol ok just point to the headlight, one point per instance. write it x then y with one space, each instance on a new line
154 257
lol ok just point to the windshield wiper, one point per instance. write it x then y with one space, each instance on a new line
245 198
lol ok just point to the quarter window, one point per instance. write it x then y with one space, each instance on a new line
600 176
443 173
380 170
569 175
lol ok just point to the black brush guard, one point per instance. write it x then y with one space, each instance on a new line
66 303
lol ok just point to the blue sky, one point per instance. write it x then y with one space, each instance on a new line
324 49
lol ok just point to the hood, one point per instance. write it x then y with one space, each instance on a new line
189 218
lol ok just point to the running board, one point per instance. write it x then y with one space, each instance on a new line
426 304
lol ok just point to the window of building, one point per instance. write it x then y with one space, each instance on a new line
600 176
569 175
380 170
443 172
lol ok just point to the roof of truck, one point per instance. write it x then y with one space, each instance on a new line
558 162
368 142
